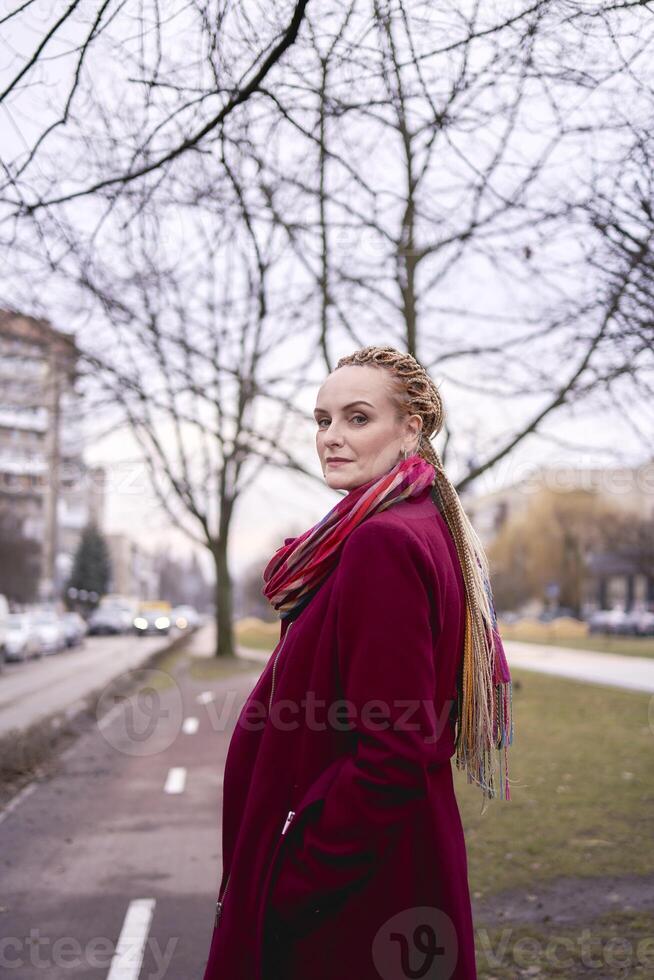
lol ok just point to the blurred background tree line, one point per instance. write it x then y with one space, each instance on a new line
556 540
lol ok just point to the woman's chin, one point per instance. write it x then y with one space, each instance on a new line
338 481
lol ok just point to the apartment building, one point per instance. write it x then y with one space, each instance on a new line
47 493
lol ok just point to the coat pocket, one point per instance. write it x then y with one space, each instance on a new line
310 801
306 916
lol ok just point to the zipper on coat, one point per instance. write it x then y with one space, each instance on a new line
219 904
291 814
272 689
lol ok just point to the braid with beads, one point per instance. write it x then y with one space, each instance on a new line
413 392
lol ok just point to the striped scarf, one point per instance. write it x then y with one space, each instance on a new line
297 570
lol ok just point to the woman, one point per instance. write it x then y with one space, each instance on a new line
343 851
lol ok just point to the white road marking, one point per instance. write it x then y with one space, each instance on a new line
107 719
130 949
205 697
190 726
175 780
17 800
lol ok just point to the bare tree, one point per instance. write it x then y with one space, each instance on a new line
436 154
139 89
188 363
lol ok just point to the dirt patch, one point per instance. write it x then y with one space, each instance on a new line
563 901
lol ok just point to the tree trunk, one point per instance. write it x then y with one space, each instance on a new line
225 644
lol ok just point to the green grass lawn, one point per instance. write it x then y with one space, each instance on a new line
582 784
218 668
264 638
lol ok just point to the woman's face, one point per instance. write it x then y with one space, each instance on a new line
356 422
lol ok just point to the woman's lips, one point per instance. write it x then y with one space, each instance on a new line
338 462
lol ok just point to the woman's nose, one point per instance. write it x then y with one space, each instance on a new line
333 436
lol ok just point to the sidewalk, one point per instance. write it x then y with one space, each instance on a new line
633 673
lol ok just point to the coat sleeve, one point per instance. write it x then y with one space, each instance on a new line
385 641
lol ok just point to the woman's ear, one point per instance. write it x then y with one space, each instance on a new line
415 427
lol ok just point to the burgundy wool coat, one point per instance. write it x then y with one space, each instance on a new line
343 850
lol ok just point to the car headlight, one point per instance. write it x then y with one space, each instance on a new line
181 623
162 622
141 623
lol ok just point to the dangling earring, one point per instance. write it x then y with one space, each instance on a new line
404 451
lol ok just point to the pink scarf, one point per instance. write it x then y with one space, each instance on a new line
298 568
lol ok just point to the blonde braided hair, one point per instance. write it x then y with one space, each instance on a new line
412 391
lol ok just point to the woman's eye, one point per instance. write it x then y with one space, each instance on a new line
320 421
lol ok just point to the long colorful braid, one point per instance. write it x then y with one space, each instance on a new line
484 703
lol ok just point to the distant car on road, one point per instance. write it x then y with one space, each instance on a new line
50 630
185 617
21 638
107 621
75 629
123 608
152 621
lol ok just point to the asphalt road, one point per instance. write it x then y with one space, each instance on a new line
46 685
116 858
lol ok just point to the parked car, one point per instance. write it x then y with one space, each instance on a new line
645 623
510 617
21 638
106 620
636 622
607 621
123 607
561 612
152 621
185 617
75 629
4 612
50 630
